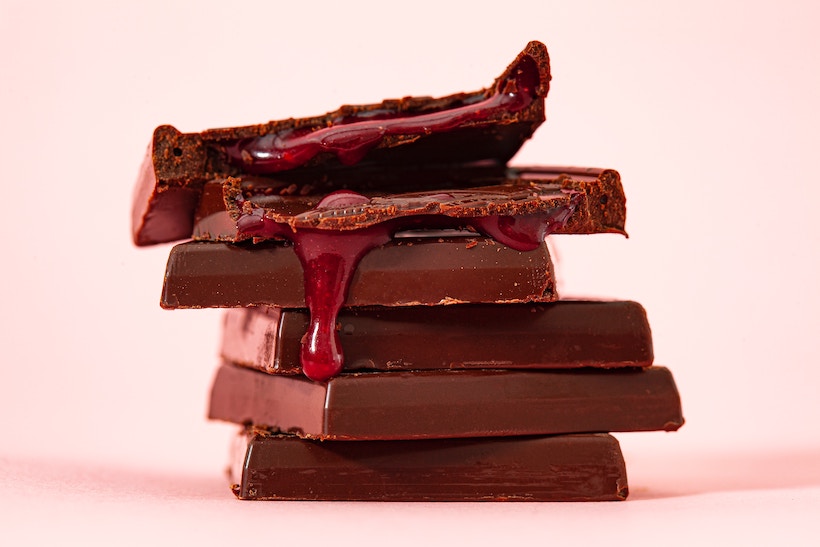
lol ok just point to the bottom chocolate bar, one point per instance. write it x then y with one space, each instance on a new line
584 467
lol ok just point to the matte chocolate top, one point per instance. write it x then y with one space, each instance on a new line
488 125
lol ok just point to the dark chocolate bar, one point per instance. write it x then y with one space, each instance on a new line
595 196
487 126
404 272
558 468
449 403
564 334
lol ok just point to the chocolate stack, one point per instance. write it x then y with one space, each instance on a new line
394 332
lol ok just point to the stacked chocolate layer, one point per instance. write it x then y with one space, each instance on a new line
394 330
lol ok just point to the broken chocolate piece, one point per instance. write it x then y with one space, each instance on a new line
449 403
404 272
489 125
559 468
600 206
564 334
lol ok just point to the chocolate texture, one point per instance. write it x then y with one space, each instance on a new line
557 468
488 126
403 272
449 403
564 334
595 196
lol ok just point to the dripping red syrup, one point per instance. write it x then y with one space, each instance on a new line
352 137
329 259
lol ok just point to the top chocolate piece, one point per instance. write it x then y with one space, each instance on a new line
487 126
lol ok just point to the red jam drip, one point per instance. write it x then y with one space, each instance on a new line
522 232
329 259
354 136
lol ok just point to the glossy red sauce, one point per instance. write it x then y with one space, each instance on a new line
352 137
330 257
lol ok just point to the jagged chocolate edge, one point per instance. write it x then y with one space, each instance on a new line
598 197
177 164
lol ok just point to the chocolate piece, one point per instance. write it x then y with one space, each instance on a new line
489 125
559 468
600 206
407 271
564 334
449 403
595 196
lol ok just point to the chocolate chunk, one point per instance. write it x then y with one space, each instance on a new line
407 271
449 403
489 125
595 196
564 334
558 468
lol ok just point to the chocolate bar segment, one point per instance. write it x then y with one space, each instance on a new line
489 125
559 468
404 272
564 334
597 197
601 207
449 403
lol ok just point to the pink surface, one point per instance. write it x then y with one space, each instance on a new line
738 498
707 110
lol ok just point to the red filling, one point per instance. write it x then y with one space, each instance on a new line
352 137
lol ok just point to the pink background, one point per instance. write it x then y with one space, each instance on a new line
708 110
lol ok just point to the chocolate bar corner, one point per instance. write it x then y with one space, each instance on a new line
541 468
168 188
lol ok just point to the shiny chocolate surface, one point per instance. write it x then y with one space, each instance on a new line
563 334
350 138
404 272
449 403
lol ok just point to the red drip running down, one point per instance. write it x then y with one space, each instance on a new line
354 136
329 259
